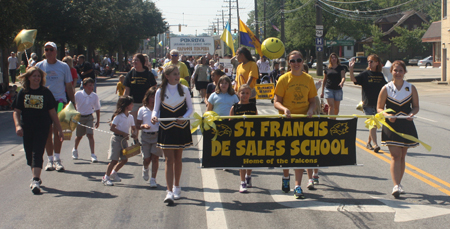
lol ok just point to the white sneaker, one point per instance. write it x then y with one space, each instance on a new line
58 166
94 158
145 174
169 198
310 184
400 189
153 183
74 154
107 182
50 166
396 191
115 177
35 187
176 192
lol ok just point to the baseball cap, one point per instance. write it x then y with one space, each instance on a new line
51 44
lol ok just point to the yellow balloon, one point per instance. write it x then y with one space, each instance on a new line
272 48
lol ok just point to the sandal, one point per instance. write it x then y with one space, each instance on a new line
369 146
376 149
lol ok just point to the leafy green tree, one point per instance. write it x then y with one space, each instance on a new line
378 46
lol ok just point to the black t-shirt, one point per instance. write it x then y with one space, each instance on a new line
139 83
35 105
84 67
371 83
210 88
247 109
334 77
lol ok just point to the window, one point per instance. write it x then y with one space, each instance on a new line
349 47
444 9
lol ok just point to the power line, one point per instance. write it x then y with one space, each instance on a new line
371 11
348 2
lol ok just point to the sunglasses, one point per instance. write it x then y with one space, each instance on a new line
50 49
174 55
299 60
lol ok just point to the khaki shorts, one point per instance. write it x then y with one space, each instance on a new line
88 121
115 150
148 145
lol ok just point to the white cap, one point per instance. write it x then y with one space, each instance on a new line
51 43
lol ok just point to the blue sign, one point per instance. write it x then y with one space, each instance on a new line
319 49
319 41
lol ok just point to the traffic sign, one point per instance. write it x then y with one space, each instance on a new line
319 26
319 49
319 41
319 33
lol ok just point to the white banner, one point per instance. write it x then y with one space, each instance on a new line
194 46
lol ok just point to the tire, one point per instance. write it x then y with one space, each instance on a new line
428 64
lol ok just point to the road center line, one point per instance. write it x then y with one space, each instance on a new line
421 178
426 119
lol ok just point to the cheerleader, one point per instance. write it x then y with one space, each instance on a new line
173 100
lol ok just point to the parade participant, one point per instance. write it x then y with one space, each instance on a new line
68 60
121 123
402 97
333 81
263 67
149 137
22 68
212 86
371 81
273 76
247 70
287 102
85 70
184 72
173 100
244 107
13 65
120 87
59 82
149 66
200 77
35 104
138 81
212 65
32 60
223 98
88 103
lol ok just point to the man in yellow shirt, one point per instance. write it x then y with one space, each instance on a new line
184 72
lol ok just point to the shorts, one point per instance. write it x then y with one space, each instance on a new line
116 147
201 85
136 107
148 144
333 94
370 110
87 121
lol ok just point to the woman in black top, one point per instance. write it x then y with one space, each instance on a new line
36 104
371 81
333 81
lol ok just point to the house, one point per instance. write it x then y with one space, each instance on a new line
445 40
408 19
433 36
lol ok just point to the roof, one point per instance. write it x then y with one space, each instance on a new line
433 34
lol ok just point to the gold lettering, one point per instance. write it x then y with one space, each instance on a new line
287 129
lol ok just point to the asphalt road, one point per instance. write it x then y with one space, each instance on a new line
347 197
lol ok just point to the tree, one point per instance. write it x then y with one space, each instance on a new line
411 38
378 46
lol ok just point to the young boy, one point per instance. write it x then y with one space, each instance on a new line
87 103
120 87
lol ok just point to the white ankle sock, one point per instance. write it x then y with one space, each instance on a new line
56 155
50 158
286 178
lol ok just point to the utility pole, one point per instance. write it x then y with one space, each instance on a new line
239 37
256 19
223 21
282 24
265 20
319 34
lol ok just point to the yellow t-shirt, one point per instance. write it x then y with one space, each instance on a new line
296 90
184 82
244 71
120 88
184 72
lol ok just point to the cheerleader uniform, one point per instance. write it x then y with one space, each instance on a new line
401 102
244 109
172 135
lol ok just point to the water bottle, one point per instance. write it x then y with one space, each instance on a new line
60 105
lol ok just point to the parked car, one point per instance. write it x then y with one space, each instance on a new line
344 62
415 60
428 61
360 63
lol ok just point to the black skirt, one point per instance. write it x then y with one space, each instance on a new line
403 126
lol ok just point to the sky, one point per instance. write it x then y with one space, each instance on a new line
200 14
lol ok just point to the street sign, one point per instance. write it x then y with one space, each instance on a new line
319 49
319 27
319 33
319 41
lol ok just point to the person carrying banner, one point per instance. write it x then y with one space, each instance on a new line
295 94
402 97
173 100
244 107
223 98
371 81
247 71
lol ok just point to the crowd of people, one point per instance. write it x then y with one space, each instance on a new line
141 105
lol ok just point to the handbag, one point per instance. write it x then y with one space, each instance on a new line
132 150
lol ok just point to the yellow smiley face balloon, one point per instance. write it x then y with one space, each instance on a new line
272 48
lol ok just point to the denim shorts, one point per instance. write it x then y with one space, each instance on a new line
333 94
370 110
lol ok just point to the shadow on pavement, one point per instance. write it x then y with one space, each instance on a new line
92 194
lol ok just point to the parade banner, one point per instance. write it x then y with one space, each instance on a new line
265 91
265 142
192 46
